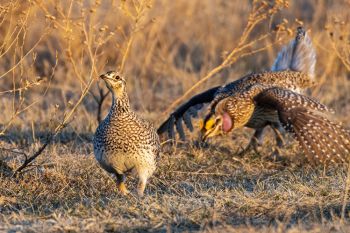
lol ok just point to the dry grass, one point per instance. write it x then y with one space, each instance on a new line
51 52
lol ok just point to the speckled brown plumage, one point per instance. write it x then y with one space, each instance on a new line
292 80
293 69
321 139
123 141
270 98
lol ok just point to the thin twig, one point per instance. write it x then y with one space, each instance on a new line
28 160
65 120
255 17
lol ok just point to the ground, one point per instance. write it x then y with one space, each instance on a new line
208 189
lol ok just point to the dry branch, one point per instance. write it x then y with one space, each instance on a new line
140 10
67 117
260 11
339 34
92 53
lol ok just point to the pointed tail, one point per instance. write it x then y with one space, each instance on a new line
298 55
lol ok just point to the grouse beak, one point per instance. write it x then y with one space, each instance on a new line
204 137
211 133
211 128
103 77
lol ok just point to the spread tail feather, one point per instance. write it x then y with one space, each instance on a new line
298 55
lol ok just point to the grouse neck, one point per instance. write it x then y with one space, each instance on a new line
120 103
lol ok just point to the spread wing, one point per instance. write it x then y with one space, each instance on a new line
185 113
320 138
298 55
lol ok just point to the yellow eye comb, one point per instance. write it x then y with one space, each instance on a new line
208 125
